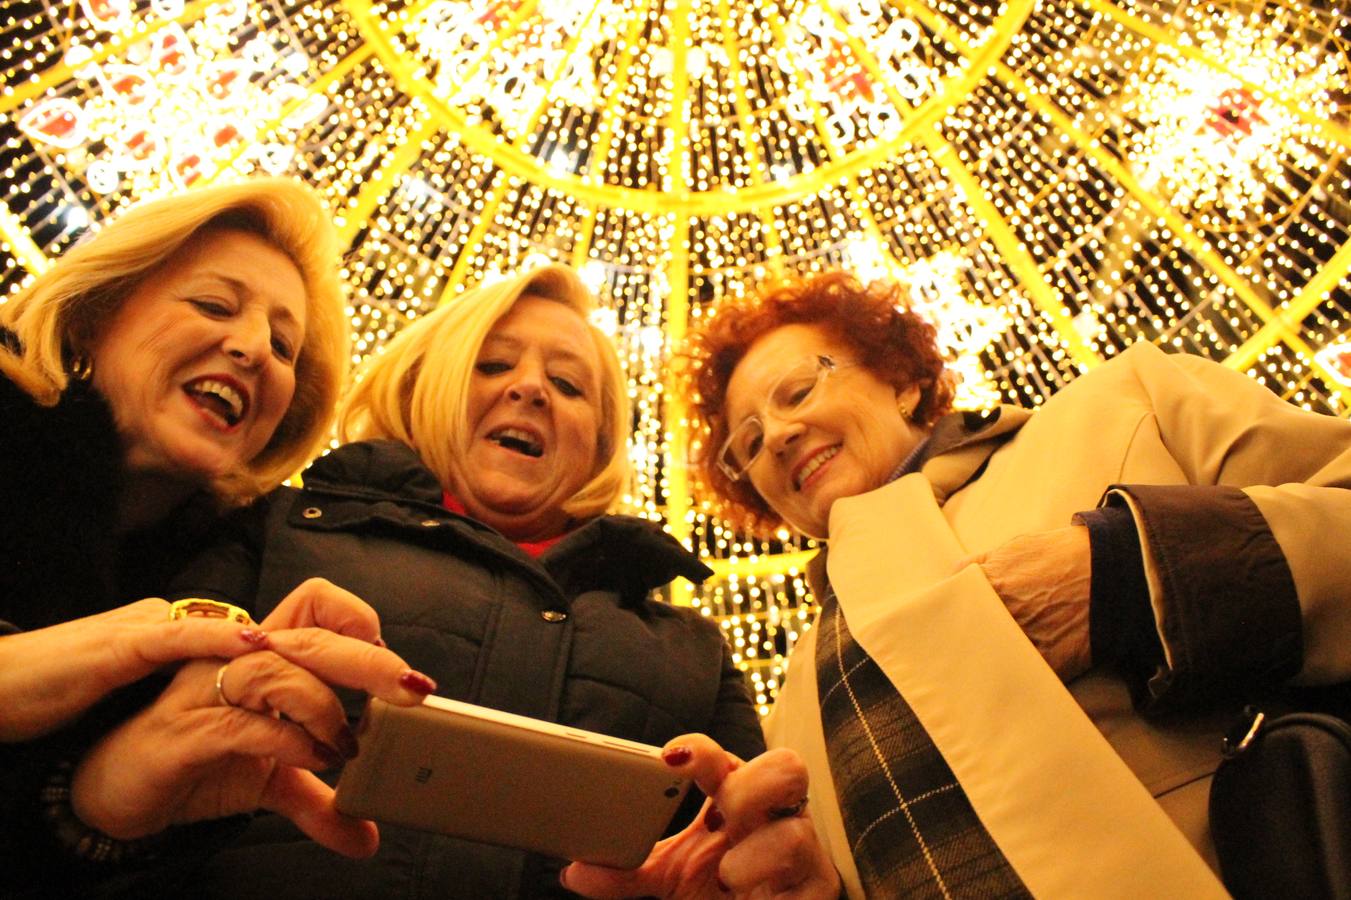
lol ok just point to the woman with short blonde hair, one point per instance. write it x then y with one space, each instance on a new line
415 392
469 505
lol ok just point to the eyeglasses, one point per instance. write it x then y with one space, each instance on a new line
794 390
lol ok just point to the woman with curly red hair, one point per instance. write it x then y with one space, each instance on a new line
885 346
1029 624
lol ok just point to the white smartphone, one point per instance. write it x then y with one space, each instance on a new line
486 775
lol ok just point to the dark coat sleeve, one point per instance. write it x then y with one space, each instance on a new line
228 569
60 472
37 865
1232 623
736 725
1244 548
31 855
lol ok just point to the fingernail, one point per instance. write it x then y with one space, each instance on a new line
676 756
346 743
713 819
331 758
417 682
379 642
788 812
255 636
563 876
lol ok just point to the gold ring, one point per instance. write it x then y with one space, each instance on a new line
220 689
208 609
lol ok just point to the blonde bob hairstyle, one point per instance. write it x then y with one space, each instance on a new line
65 308
417 389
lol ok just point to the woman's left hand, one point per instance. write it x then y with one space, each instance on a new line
188 757
1044 579
51 676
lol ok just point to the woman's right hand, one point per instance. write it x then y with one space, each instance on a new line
1045 579
188 757
751 839
50 676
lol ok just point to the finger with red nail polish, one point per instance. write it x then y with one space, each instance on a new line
417 682
255 637
676 756
713 819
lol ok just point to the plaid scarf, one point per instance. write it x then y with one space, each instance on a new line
912 831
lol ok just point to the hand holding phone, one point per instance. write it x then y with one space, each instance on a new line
486 775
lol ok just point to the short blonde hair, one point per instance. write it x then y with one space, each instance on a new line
417 389
61 313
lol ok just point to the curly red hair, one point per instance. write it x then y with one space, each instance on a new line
894 344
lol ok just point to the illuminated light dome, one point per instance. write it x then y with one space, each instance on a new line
1054 180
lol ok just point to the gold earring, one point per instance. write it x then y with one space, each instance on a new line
82 368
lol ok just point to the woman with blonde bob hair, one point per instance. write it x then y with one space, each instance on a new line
415 392
470 508
55 319
181 360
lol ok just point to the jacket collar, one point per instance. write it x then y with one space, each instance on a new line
961 444
622 553
626 553
957 450
376 470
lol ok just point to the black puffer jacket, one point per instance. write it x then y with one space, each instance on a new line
572 637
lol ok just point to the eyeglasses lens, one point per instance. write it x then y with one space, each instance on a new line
789 393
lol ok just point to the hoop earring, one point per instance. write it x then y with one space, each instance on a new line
82 368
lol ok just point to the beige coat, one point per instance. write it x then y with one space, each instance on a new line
1042 764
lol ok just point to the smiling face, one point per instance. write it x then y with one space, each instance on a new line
845 441
535 417
198 363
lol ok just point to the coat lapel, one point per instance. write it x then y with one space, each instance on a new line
1064 809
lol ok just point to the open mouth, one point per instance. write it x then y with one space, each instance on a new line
518 440
220 399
